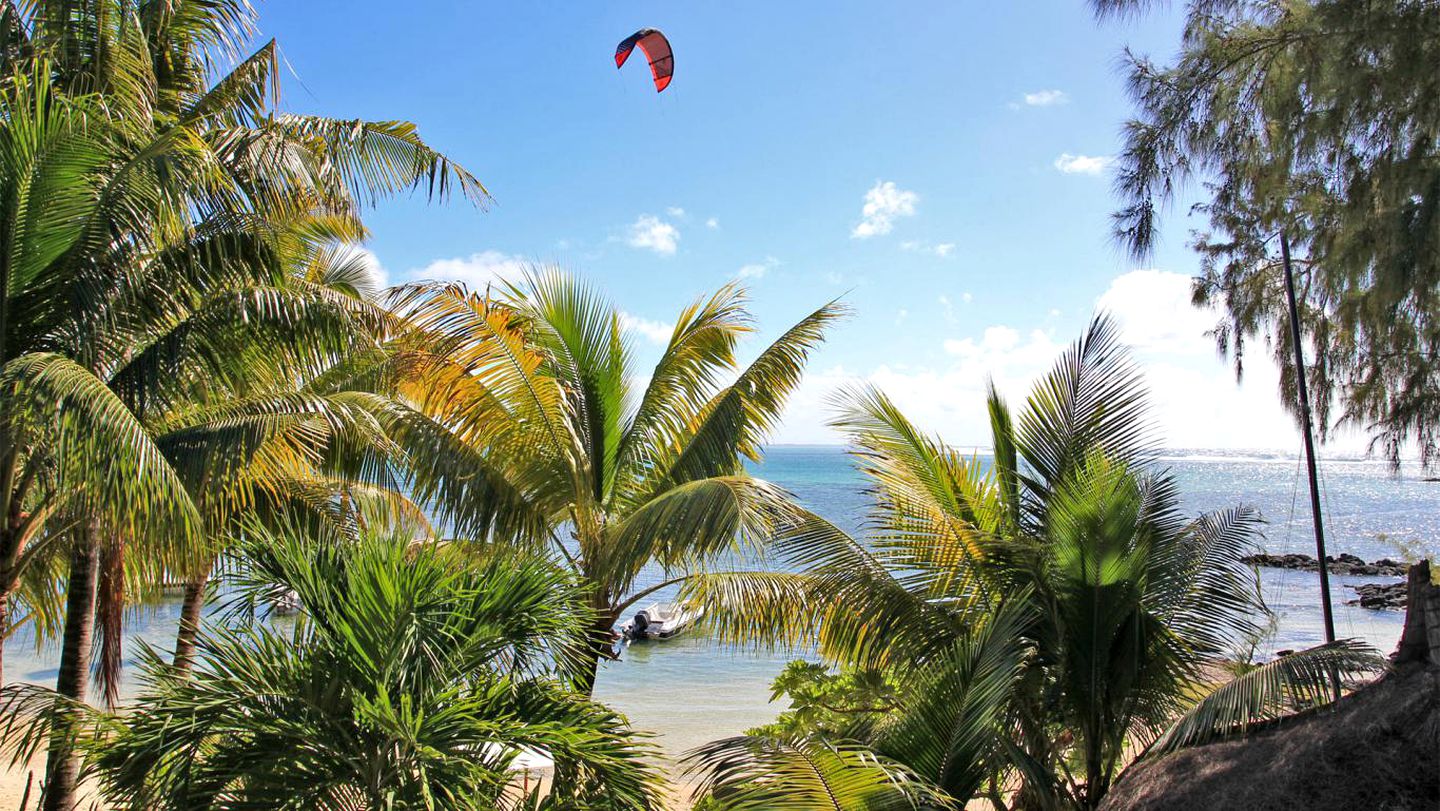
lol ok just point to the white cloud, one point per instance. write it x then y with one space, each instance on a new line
656 332
901 315
654 234
948 308
475 271
1195 399
941 250
1082 164
966 297
713 224
676 212
757 270
883 204
1155 314
1046 98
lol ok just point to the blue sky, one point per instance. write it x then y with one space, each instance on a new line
978 134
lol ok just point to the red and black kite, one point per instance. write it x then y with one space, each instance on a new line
657 50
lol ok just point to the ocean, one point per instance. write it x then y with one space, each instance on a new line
689 690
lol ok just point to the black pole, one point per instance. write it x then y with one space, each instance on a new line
1309 439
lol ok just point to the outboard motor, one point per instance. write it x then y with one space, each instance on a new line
642 622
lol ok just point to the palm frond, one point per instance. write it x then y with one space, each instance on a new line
700 351
686 526
1093 401
106 456
380 158
1289 684
950 720
735 422
798 774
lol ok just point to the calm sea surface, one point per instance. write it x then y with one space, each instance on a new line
689 690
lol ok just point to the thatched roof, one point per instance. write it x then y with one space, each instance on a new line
1377 748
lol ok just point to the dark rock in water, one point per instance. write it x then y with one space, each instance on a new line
1343 564
1380 595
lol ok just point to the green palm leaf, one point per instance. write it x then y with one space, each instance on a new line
1291 683
735 422
797 774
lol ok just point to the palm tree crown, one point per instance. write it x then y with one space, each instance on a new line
1045 615
415 675
567 449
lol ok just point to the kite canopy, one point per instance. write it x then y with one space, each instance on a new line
657 50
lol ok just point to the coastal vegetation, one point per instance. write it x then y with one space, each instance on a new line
619 480
462 491
1042 620
413 676
1307 123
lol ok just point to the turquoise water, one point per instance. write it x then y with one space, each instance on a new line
688 690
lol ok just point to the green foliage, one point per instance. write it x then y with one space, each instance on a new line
414 675
1314 119
1409 550
177 240
1040 618
825 704
763 774
1291 683
538 385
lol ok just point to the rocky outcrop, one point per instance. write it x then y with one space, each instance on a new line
1380 595
1343 564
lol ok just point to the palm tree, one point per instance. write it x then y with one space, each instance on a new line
414 676
143 198
1046 615
621 480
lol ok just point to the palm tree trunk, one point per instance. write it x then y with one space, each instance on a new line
4 631
62 767
601 646
190 622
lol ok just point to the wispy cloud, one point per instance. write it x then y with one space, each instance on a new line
947 307
676 212
1083 164
656 332
884 203
1046 98
713 224
652 233
941 250
757 270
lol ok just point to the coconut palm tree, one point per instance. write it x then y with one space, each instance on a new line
1047 614
139 189
621 479
414 676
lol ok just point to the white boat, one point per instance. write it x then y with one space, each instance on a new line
286 603
660 621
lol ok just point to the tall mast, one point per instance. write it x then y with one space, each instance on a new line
1305 419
